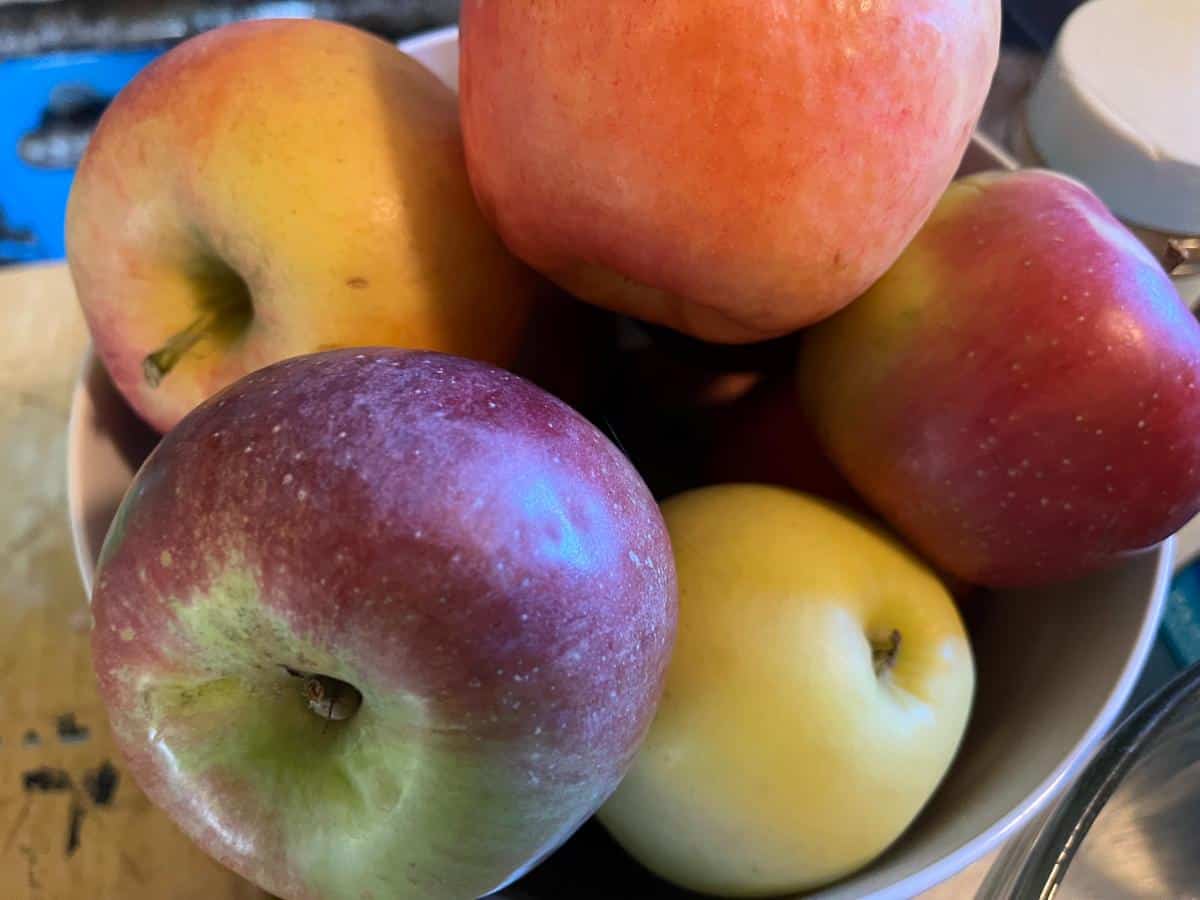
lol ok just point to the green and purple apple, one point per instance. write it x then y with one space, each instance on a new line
383 624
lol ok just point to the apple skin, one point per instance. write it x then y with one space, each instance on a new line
470 554
733 170
764 438
779 759
305 181
1018 395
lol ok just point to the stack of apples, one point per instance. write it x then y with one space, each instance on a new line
390 611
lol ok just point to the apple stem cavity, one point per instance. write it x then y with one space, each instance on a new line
884 653
156 366
226 310
329 698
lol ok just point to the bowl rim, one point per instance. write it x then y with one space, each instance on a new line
942 869
1068 769
76 452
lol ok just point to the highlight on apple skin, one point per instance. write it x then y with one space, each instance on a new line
273 188
1019 396
382 623
734 170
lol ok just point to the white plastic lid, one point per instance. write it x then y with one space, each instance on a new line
1118 107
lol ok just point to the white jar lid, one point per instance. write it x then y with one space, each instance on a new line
1118 107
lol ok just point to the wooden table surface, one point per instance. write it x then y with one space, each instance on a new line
73 826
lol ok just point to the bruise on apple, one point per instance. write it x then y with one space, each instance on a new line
470 557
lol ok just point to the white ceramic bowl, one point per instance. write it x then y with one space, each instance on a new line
1055 665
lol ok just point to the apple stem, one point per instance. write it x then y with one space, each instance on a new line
156 366
883 655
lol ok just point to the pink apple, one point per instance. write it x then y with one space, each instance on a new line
734 169
1020 394
383 624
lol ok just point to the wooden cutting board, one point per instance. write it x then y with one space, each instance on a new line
72 823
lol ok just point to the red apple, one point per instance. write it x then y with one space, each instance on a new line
378 623
1018 395
764 438
734 169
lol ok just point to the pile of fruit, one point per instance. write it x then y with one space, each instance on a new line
393 607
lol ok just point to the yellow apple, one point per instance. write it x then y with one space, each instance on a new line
819 689
274 188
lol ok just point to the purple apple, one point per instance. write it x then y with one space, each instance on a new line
383 624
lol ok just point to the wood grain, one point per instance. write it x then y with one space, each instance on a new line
72 822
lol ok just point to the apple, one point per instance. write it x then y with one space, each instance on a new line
1018 395
764 438
381 623
566 348
820 686
665 396
274 188
734 170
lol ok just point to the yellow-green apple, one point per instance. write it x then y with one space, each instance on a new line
820 686
734 169
382 623
1018 395
275 188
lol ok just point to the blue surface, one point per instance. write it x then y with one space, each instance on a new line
1181 619
35 199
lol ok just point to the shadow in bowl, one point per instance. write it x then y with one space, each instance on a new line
129 441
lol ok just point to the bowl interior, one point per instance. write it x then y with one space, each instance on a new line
1054 666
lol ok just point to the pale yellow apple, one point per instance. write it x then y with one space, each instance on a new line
820 686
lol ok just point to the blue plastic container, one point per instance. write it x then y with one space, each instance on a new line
35 178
